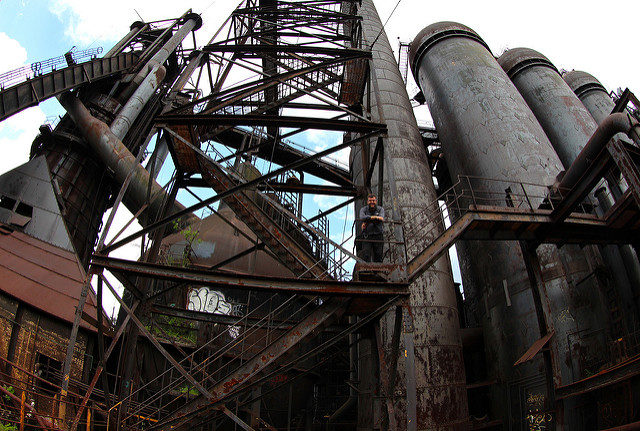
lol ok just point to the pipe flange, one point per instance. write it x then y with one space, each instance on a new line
582 82
515 60
433 34
137 25
195 17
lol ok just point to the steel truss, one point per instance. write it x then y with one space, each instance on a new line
275 70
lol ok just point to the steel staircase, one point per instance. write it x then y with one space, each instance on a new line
274 228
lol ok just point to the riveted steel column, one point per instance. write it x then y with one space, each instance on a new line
439 391
487 130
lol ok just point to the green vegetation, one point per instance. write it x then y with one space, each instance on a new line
179 329
8 427
9 389
191 237
190 390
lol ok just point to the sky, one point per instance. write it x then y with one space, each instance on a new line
572 34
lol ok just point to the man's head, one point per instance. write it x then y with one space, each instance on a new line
372 200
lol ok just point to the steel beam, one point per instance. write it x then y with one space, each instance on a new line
316 189
332 209
101 366
289 49
157 345
372 164
267 120
497 223
242 281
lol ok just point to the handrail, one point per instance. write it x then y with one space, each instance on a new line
469 192
38 68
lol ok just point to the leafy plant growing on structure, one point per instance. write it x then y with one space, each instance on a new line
190 236
190 390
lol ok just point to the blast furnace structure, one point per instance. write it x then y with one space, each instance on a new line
246 309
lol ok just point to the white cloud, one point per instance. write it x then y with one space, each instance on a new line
16 132
16 137
13 54
86 22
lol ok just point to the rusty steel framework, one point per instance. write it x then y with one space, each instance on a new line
274 70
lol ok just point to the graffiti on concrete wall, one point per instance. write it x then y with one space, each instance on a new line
207 300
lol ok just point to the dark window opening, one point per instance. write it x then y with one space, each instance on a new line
7 202
50 372
24 209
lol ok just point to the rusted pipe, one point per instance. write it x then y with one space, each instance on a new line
137 101
614 123
119 160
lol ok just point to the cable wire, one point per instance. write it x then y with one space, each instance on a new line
385 23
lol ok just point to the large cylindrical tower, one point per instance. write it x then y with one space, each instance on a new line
436 383
596 99
560 113
569 126
593 95
488 131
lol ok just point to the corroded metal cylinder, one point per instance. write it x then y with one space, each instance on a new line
596 99
569 127
591 93
434 387
560 113
488 131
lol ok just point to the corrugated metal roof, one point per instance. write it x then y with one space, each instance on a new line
44 276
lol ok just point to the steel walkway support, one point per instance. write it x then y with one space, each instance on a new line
35 90
505 224
232 382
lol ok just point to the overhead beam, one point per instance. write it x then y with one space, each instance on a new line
293 49
249 282
316 189
267 120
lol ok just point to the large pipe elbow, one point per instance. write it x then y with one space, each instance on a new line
613 124
119 160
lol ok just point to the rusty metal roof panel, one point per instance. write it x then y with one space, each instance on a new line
44 276
534 349
183 154
30 186
353 81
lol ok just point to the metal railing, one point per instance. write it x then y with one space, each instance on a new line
38 68
471 193
210 362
